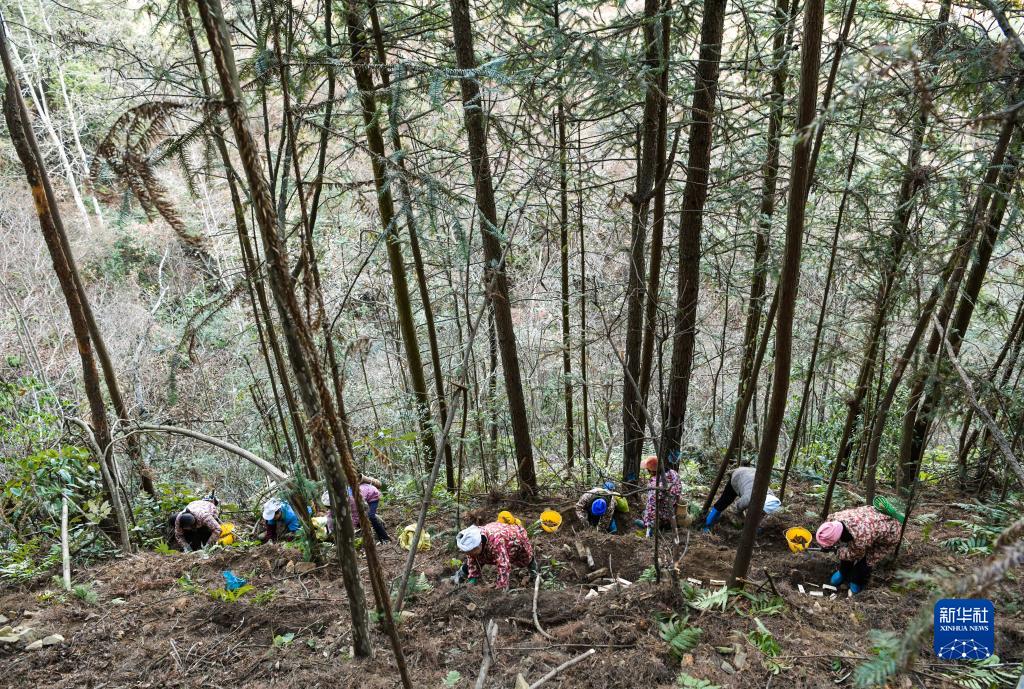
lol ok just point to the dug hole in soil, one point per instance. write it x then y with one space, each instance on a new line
156 625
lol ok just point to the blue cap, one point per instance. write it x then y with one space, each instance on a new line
598 507
609 485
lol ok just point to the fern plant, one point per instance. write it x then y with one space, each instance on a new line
85 593
885 646
690 682
711 600
648 576
769 647
982 674
680 636
225 596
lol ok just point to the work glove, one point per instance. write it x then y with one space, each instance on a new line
457 577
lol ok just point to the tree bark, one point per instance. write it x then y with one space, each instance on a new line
809 377
917 426
945 290
632 421
691 218
814 16
405 196
563 254
475 120
662 173
328 434
362 55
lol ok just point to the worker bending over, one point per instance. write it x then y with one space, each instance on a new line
197 525
740 485
863 537
663 492
282 523
503 545
370 492
598 506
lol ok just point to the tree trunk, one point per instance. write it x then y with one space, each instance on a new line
1011 348
328 434
257 292
414 244
48 213
917 426
473 109
814 16
749 394
632 420
945 289
362 58
563 253
809 377
662 173
691 219
584 388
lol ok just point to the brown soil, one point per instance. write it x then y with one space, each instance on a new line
149 631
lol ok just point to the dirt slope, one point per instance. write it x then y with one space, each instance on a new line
155 624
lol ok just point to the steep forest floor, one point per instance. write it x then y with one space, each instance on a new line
153 622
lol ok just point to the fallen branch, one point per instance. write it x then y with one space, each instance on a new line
567 664
271 470
490 634
536 619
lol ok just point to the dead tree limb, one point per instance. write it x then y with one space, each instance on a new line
272 471
567 664
536 619
490 634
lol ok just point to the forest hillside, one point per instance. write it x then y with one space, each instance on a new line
522 343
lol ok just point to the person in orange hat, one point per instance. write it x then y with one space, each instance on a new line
663 492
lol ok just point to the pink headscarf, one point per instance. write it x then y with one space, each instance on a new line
829 533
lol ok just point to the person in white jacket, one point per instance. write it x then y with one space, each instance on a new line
739 490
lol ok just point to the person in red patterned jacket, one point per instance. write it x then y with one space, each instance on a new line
663 490
197 525
863 537
503 545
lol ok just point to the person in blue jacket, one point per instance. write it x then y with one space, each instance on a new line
282 522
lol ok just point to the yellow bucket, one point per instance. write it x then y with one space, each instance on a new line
227 534
506 517
798 539
550 521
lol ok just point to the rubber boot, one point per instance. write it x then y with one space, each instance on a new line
713 516
855 588
837 579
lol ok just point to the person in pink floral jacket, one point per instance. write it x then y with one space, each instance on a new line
863 537
197 525
663 490
503 545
